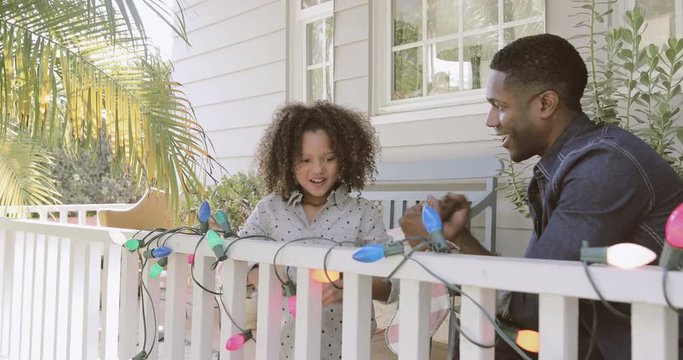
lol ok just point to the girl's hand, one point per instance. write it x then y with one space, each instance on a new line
332 295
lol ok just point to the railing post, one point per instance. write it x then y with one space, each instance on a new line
128 310
235 273
110 301
202 308
356 316
475 324
152 310
91 322
308 316
176 299
654 332
558 327
269 313
413 331
7 240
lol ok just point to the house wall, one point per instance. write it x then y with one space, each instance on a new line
236 74
235 71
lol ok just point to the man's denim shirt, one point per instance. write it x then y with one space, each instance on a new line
603 185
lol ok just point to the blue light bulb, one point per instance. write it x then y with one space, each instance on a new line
369 253
373 252
432 223
204 212
431 219
158 252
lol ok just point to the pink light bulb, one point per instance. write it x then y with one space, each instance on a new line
190 259
291 304
674 227
235 342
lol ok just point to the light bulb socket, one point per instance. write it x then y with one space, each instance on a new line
140 356
204 227
439 242
247 335
393 249
671 257
594 255
163 262
288 289
509 331
218 251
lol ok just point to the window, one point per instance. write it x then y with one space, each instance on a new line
312 53
319 55
436 50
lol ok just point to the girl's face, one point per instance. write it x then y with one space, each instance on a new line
318 169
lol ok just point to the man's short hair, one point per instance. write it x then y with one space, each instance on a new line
544 62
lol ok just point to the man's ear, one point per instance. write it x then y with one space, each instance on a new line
550 102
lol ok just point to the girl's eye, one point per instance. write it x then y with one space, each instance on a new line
331 159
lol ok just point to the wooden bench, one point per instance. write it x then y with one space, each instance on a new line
400 185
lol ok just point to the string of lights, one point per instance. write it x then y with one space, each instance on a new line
623 255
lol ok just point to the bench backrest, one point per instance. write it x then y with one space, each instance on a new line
400 185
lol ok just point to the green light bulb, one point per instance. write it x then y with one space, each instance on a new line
132 244
216 244
223 222
213 238
155 271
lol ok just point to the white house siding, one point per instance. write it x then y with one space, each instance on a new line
236 74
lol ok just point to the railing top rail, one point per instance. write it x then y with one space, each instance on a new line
65 207
565 278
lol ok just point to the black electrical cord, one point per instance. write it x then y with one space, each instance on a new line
604 302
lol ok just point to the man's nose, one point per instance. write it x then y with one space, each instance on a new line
492 119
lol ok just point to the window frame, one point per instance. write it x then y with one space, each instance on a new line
382 103
298 51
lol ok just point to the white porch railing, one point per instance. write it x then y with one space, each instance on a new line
59 213
60 301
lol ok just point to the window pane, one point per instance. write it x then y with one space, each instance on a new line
315 42
329 38
407 73
315 85
659 16
516 32
329 95
477 54
444 67
407 20
479 13
309 3
522 9
442 17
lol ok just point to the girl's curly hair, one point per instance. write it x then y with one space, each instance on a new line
353 139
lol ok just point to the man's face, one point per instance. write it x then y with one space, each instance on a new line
514 119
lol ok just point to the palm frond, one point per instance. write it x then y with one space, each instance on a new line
71 73
26 176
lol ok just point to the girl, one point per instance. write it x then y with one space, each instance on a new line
310 158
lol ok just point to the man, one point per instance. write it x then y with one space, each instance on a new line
595 183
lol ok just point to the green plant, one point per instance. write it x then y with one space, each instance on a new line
630 84
236 194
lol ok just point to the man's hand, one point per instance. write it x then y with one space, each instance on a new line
411 222
455 212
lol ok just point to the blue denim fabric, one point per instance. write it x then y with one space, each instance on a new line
603 185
